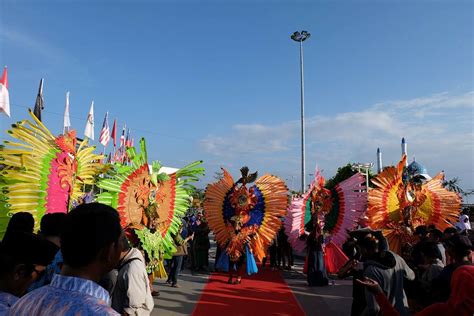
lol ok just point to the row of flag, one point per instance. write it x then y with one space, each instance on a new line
119 154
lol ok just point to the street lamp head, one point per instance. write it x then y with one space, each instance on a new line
300 37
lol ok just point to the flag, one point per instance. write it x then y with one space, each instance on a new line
114 132
128 139
89 130
122 150
67 121
122 138
4 96
104 137
39 104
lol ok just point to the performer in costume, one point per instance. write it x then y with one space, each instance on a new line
42 173
404 199
325 216
150 204
245 220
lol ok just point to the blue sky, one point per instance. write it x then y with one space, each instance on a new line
220 81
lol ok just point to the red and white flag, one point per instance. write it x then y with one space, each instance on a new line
105 132
4 96
114 132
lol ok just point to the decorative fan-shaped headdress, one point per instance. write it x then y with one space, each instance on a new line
257 209
150 203
43 173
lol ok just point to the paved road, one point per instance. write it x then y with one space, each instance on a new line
320 301
179 301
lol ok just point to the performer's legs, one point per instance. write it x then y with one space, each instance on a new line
231 268
240 271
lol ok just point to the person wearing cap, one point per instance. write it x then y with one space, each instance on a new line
23 258
91 248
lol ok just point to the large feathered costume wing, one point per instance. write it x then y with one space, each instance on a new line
274 199
441 207
269 202
150 203
349 205
215 195
383 200
43 173
299 214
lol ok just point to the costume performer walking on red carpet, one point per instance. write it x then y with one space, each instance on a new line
245 220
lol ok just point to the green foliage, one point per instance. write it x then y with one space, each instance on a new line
342 174
152 245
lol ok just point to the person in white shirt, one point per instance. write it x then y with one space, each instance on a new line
132 294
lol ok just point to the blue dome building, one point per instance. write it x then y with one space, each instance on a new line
417 169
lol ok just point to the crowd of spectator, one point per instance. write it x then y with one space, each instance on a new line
435 276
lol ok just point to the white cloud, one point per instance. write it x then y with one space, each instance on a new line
439 130
36 45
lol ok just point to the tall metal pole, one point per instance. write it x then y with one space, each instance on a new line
301 37
303 160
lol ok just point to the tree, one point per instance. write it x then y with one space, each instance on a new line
342 174
453 186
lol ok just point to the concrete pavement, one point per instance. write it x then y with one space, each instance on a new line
319 301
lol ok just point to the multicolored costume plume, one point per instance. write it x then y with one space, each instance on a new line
43 173
259 210
151 204
400 202
338 211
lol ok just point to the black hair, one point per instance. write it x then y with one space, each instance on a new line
460 245
51 224
25 248
369 242
21 222
436 233
430 249
450 230
421 230
89 229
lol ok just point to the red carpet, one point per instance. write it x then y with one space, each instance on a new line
265 293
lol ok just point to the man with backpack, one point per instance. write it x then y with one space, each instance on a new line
131 294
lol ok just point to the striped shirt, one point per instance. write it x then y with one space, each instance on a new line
65 296
6 301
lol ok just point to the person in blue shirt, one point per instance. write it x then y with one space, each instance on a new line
91 248
50 229
23 258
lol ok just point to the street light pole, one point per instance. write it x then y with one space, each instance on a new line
301 37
